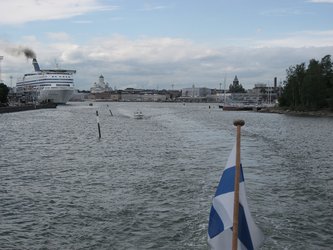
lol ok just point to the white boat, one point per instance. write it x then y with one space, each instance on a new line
56 85
138 114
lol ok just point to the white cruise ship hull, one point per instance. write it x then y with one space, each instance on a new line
55 85
56 95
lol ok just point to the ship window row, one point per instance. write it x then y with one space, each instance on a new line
61 76
45 84
45 81
48 79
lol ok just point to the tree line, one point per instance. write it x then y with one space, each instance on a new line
4 90
309 88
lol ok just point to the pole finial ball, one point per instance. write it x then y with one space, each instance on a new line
239 122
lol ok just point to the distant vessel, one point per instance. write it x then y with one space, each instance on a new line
237 107
56 85
138 114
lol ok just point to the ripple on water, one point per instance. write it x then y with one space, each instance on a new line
148 184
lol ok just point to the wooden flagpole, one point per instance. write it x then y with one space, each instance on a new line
238 124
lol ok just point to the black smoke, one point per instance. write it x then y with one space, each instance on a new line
29 53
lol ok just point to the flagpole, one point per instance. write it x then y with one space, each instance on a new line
238 124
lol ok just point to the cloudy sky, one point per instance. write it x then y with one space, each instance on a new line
162 44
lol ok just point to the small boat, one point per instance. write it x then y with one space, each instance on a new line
138 114
236 107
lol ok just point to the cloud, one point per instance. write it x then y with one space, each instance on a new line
150 7
147 62
164 60
300 39
146 49
22 11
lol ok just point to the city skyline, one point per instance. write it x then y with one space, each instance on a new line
160 44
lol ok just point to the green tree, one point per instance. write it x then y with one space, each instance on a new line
4 90
327 73
309 88
295 85
315 87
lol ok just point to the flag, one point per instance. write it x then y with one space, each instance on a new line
221 214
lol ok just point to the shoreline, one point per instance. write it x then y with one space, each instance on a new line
11 109
318 113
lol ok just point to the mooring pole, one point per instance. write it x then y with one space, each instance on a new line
109 110
99 127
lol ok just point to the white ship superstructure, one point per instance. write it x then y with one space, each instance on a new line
56 85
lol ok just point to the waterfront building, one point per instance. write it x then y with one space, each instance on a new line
265 94
139 95
196 92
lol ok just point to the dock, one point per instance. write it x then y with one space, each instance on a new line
10 109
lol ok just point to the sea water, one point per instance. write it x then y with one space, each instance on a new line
148 184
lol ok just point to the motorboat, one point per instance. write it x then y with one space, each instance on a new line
138 114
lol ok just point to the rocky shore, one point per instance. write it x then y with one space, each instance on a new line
319 113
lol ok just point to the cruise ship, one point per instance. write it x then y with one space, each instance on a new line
56 85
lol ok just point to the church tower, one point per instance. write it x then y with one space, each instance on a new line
235 82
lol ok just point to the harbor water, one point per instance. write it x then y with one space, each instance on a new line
149 183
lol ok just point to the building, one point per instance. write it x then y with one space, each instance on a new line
265 94
101 86
139 95
196 92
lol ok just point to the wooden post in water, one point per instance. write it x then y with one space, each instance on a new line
238 124
99 128
110 110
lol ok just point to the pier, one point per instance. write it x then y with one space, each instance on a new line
10 109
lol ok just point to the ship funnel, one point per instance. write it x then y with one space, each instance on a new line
35 64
